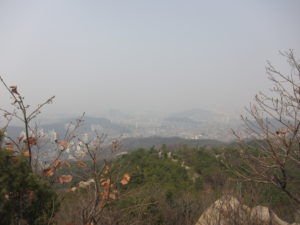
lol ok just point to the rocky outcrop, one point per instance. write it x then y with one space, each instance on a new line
229 211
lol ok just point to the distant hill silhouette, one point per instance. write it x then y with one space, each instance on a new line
102 124
131 144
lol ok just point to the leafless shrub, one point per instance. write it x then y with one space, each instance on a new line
274 123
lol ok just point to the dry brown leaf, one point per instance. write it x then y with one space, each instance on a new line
105 183
125 179
103 204
113 196
26 154
79 121
116 191
63 144
57 164
104 194
282 131
14 89
115 145
80 163
66 164
65 179
49 172
31 141
21 138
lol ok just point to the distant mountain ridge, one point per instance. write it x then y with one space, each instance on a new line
102 124
131 144
189 124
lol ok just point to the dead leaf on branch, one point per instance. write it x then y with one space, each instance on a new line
57 164
105 183
115 145
31 141
49 172
21 138
79 121
65 179
103 204
104 194
66 164
63 144
125 179
26 154
113 196
282 132
80 163
14 89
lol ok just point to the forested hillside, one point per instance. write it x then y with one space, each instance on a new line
175 188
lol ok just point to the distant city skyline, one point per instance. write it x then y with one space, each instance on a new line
159 56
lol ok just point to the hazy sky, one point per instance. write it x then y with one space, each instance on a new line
138 55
